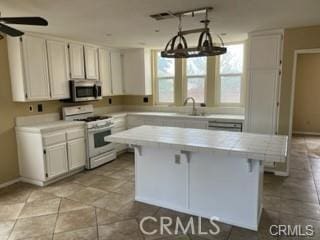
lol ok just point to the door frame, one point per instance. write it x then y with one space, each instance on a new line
294 74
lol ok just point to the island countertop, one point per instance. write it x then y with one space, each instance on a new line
252 146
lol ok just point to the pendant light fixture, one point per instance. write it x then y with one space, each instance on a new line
177 47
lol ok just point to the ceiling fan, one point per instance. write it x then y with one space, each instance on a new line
4 28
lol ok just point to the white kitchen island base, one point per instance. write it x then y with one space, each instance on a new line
213 174
220 184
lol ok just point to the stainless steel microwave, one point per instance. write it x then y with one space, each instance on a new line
85 90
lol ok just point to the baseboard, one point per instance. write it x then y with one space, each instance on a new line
281 173
32 181
5 184
306 133
277 173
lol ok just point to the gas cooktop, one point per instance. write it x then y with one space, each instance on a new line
92 119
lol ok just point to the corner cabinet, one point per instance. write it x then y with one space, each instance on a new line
137 71
28 68
39 68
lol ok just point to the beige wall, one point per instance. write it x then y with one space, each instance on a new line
306 116
294 39
10 110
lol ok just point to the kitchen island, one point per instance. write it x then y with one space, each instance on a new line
212 174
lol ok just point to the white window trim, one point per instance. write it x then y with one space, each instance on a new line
185 83
218 81
156 80
157 91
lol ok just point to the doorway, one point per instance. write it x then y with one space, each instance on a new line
304 132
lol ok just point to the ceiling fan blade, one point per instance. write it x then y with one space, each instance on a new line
10 31
25 20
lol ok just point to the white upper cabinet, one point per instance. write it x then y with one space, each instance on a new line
76 56
28 68
105 71
116 73
58 69
91 62
137 71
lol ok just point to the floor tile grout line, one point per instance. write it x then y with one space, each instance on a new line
55 223
97 225
314 181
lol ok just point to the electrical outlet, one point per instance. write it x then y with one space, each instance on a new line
30 108
40 108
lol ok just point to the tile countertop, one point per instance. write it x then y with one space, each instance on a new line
228 117
253 146
49 126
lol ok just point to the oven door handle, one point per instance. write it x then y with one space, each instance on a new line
96 130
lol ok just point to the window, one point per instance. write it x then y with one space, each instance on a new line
165 72
230 70
196 73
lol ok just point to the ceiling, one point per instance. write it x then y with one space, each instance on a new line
126 23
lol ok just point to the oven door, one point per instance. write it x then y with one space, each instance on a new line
96 143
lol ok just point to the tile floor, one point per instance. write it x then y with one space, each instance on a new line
99 204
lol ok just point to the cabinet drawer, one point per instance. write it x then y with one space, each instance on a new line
54 138
75 133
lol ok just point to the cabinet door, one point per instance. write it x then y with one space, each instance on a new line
264 74
137 71
77 153
262 117
58 69
105 71
91 62
56 160
116 73
76 59
36 68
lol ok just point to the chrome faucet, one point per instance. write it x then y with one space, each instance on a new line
194 110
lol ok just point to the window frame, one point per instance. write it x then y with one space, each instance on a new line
156 80
218 80
185 83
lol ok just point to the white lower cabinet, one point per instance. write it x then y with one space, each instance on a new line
56 159
46 157
76 153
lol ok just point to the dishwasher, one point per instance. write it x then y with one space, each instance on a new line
225 126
